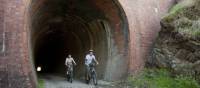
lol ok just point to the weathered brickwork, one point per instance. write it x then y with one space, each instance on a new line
15 66
1 25
120 35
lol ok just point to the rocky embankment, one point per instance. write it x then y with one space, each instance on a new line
178 44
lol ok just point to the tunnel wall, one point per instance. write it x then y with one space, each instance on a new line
144 24
118 39
16 68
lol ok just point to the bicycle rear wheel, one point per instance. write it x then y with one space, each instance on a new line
71 77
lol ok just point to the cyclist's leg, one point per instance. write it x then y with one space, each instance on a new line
67 69
87 71
72 70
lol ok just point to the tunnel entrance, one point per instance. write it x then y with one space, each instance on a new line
62 27
62 38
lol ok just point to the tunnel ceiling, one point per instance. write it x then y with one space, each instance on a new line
67 12
51 9
83 9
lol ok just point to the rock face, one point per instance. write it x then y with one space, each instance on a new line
178 44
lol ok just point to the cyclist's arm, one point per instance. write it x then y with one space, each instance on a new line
96 61
73 61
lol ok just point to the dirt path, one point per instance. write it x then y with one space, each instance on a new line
60 82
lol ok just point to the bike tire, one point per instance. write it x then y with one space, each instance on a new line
94 78
71 80
68 77
71 77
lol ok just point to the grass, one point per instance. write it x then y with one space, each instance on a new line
181 5
184 17
40 83
161 78
177 9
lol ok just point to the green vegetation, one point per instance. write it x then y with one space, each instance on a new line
177 9
181 5
40 83
188 28
161 78
184 17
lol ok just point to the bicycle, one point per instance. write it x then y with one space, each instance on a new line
70 73
92 74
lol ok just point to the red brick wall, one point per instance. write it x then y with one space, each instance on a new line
144 23
15 68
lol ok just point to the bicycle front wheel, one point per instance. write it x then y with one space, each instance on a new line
94 78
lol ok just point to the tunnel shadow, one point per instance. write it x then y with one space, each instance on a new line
52 48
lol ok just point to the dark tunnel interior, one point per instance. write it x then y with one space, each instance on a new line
59 40
63 27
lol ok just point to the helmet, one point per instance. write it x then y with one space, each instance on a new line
91 50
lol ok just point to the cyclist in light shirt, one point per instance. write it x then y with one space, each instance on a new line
89 59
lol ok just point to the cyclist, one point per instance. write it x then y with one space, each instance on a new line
90 57
69 62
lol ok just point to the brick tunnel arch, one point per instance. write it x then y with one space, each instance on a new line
61 27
